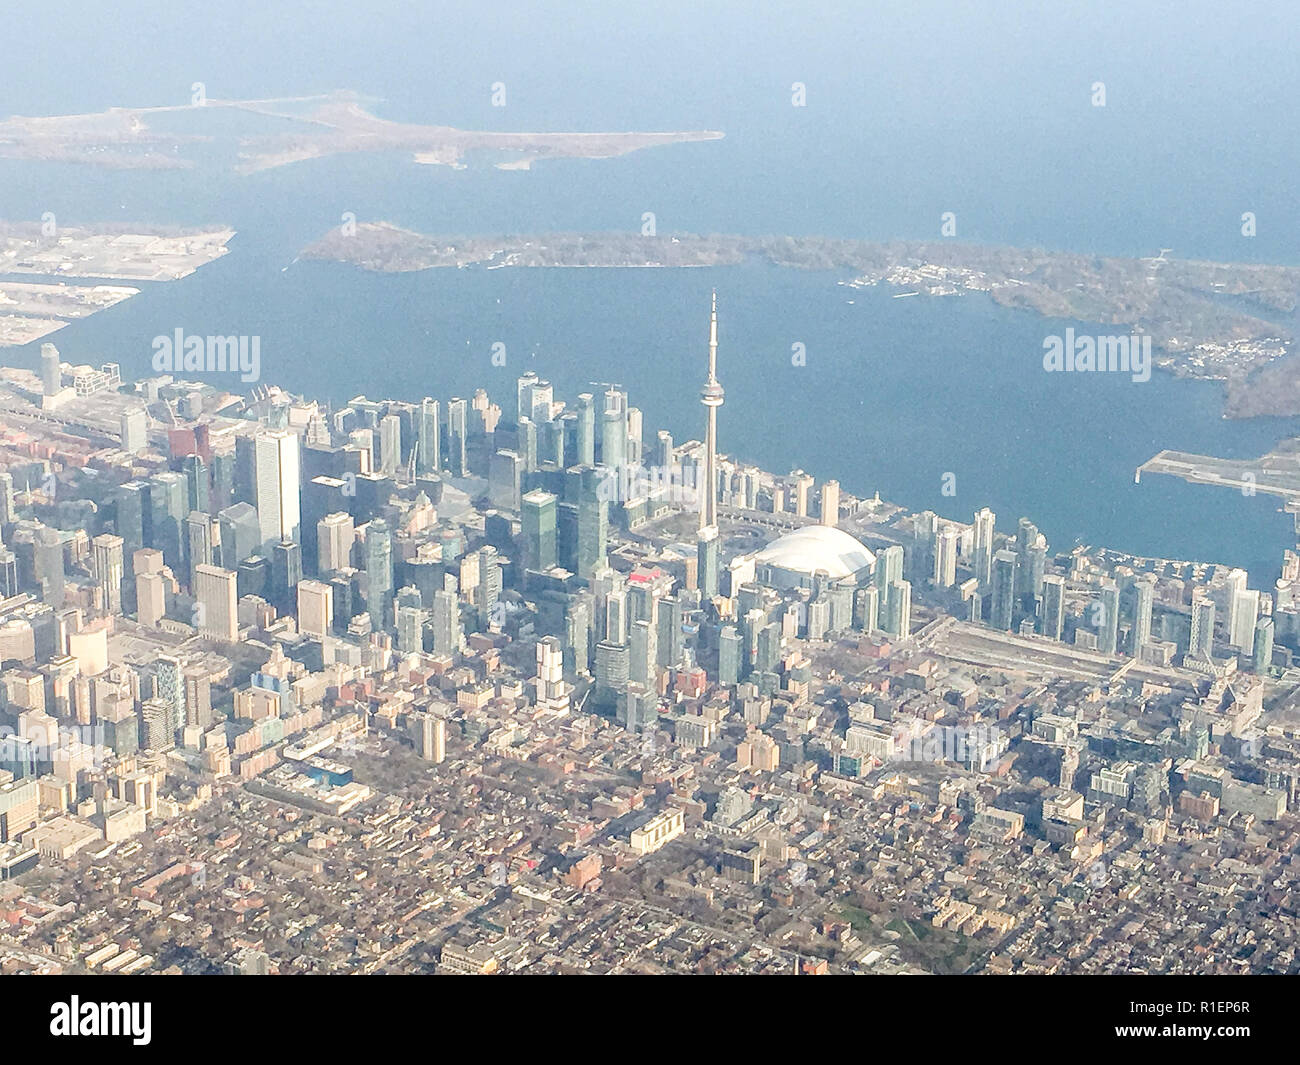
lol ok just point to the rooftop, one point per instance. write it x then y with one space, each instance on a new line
817 549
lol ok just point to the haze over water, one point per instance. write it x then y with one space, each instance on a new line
984 115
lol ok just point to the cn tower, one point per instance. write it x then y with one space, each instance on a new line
711 396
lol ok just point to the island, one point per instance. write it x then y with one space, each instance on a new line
307 127
1229 322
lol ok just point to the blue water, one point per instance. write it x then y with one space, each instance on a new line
909 114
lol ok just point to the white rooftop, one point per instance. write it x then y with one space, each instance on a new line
817 549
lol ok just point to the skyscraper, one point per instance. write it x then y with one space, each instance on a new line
1052 611
577 636
1107 618
711 395
169 495
707 563
1026 536
6 497
171 689
278 486
457 431
286 572
109 562
830 503
524 395
663 457
346 597
215 590
866 608
889 568
135 430
672 641
156 733
49 567
431 740
840 596
1144 595
730 650
613 430
198 696
429 458
378 553
390 444
644 657
505 475
1004 590
409 620
223 480
593 523
586 429
769 648
197 483
556 440
315 608
611 673
945 557
539 530
633 450
1036 561
241 534
51 373
8 573
198 534
552 693
151 598
899 610
638 710
363 442
489 586
334 536
983 546
244 482
1241 622
135 516
1263 650
446 623
526 434
642 603
1202 638
819 621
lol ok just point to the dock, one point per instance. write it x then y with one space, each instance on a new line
1277 473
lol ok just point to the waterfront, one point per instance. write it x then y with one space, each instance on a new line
918 387
895 393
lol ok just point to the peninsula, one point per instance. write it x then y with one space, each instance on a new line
30 310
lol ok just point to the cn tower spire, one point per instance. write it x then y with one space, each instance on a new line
711 396
713 339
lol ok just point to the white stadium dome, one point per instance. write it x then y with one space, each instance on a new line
813 550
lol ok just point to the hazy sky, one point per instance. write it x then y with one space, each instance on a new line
982 108
1227 60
